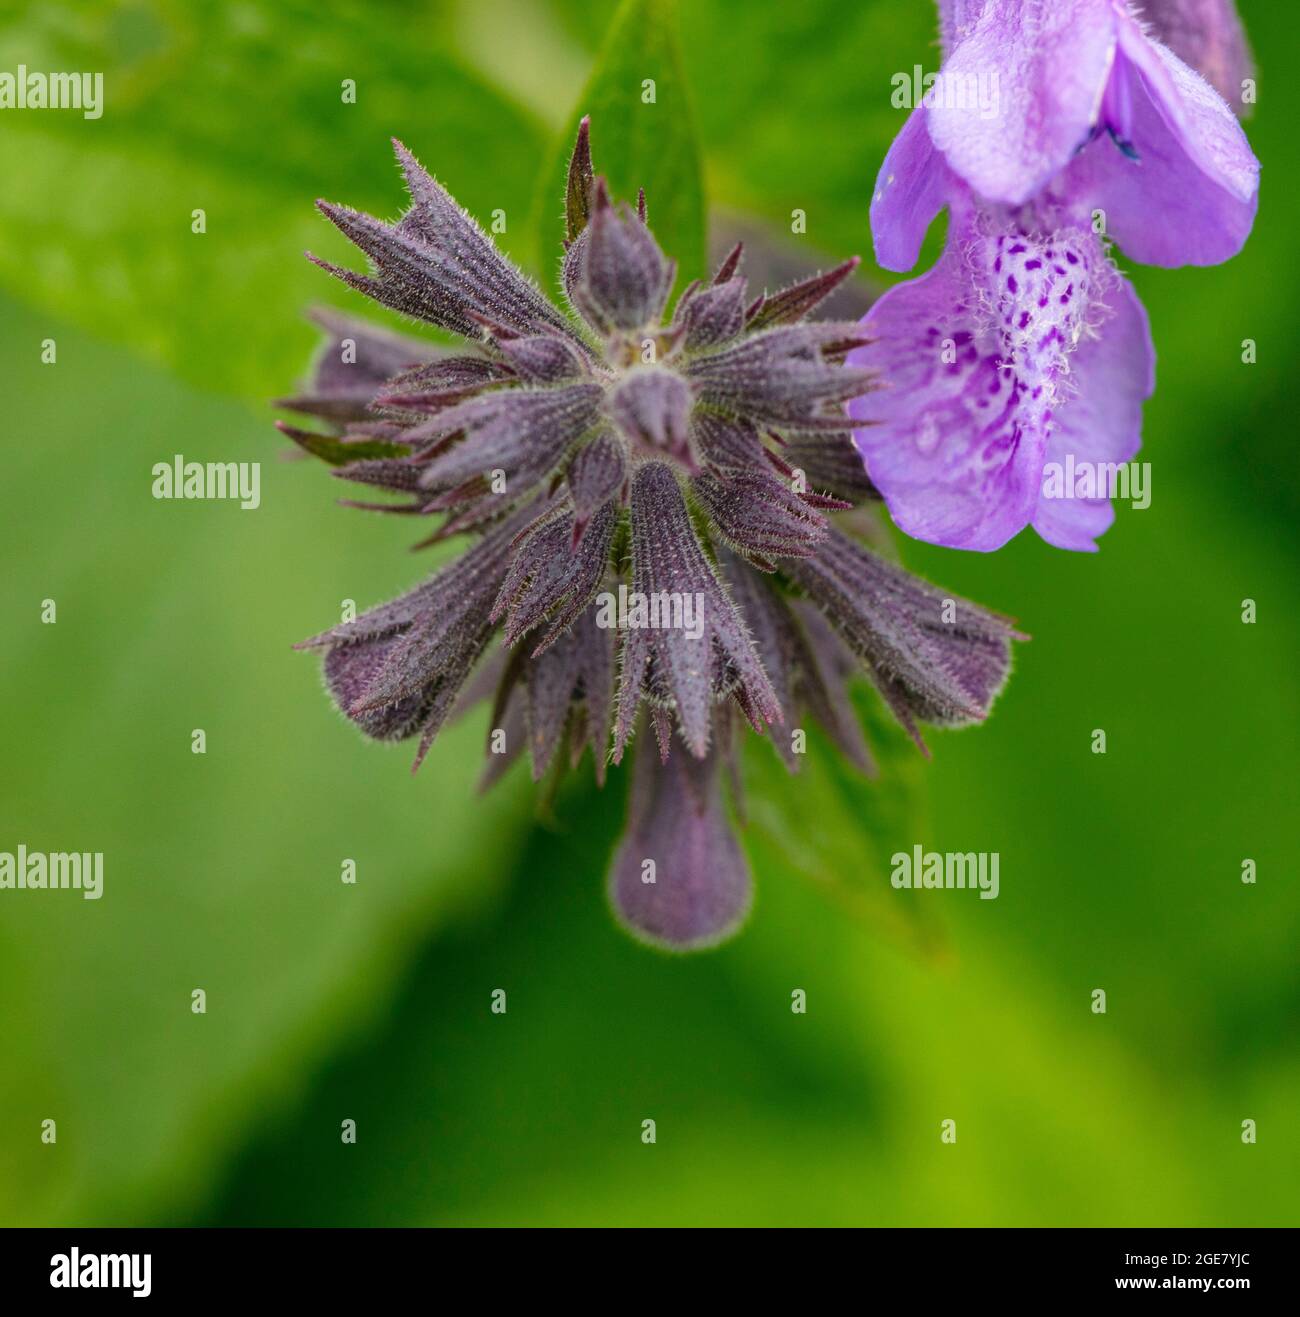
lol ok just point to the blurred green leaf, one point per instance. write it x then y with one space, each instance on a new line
794 106
237 111
642 136
829 825
763 1116
222 871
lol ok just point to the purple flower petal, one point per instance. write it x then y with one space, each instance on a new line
976 353
1047 65
912 187
1112 375
1189 198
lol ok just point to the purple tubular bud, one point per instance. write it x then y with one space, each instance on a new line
678 879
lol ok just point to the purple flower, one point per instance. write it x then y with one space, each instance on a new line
1024 345
648 497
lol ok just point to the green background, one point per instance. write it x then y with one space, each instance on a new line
370 1002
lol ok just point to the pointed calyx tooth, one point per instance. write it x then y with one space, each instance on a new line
549 683
398 669
821 683
935 658
568 688
578 191
491 286
830 462
808 663
395 473
521 432
730 264
677 822
726 443
440 384
785 376
350 670
437 264
791 304
352 366
759 515
678 661
341 451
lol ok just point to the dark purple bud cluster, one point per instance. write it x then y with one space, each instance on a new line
649 498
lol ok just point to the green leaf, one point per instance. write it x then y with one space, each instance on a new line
830 825
642 136
222 871
764 1116
795 107
238 112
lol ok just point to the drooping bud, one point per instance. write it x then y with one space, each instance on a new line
678 879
